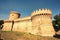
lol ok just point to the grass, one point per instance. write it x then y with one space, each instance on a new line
8 35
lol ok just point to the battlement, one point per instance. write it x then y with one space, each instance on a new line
42 11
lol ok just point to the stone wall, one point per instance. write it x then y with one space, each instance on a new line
42 22
36 25
22 26
46 26
7 25
39 23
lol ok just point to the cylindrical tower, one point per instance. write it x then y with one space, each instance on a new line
14 15
42 22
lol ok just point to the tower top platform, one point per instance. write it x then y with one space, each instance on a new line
41 11
14 12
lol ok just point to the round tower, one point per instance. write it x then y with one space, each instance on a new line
42 22
14 15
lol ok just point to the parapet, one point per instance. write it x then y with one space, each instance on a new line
42 11
23 19
7 21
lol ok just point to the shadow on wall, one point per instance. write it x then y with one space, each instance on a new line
56 30
57 36
12 25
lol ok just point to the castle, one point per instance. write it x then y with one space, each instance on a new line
39 23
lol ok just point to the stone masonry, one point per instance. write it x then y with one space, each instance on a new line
39 23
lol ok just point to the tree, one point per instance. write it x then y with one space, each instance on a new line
1 26
56 22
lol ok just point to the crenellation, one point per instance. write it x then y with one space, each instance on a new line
41 11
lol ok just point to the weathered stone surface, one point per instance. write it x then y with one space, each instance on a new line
39 23
41 20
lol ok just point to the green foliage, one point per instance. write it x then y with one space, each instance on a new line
56 22
1 22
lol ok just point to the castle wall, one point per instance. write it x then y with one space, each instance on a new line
42 22
7 26
39 23
36 25
16 26
22 25
46 26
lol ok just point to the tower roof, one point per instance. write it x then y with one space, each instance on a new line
42 11
15 12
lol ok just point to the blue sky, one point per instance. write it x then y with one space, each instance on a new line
26 7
